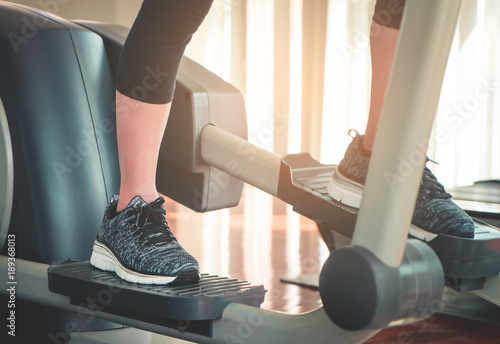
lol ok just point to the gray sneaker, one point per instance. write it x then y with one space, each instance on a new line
138 245
435 212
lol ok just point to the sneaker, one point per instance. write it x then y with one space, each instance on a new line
435 212
138 245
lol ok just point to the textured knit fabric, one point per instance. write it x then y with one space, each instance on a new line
437 213
434 210
356 160
141 240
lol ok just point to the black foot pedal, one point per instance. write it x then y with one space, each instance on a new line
165 305
468 262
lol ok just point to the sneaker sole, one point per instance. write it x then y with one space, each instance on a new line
103 259
344 190
349 192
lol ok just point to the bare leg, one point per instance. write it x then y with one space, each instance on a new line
435 212
137 243
383 46
140 127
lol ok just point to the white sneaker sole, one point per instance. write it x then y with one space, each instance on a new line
102 258
345 190
350 193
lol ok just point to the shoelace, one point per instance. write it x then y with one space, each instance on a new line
430 183
151 224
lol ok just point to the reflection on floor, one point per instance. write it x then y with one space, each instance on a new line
251 242
262 240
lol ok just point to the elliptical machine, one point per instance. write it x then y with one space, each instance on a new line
58 142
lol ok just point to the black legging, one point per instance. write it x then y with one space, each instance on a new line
389 13
152 52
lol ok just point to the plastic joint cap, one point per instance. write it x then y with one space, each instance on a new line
360 292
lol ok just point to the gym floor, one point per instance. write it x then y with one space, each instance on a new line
263 241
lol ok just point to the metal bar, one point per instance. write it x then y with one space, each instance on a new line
239 323
491 290
245 324
400 149
241 159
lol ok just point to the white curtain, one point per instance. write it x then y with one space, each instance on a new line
466 132
465 140
347 75
304 67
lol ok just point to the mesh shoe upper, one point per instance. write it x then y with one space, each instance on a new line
356 160
434 210
437 213
141 240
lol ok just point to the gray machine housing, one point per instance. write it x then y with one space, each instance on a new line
200 98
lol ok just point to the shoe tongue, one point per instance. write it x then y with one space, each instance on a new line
137 202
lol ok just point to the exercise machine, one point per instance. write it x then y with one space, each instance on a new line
59 168
481 200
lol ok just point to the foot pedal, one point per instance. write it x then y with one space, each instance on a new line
303 183
466 262
167 305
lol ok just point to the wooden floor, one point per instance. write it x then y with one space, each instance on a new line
262 240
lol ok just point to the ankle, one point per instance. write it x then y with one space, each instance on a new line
367 144
125 198
363 150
